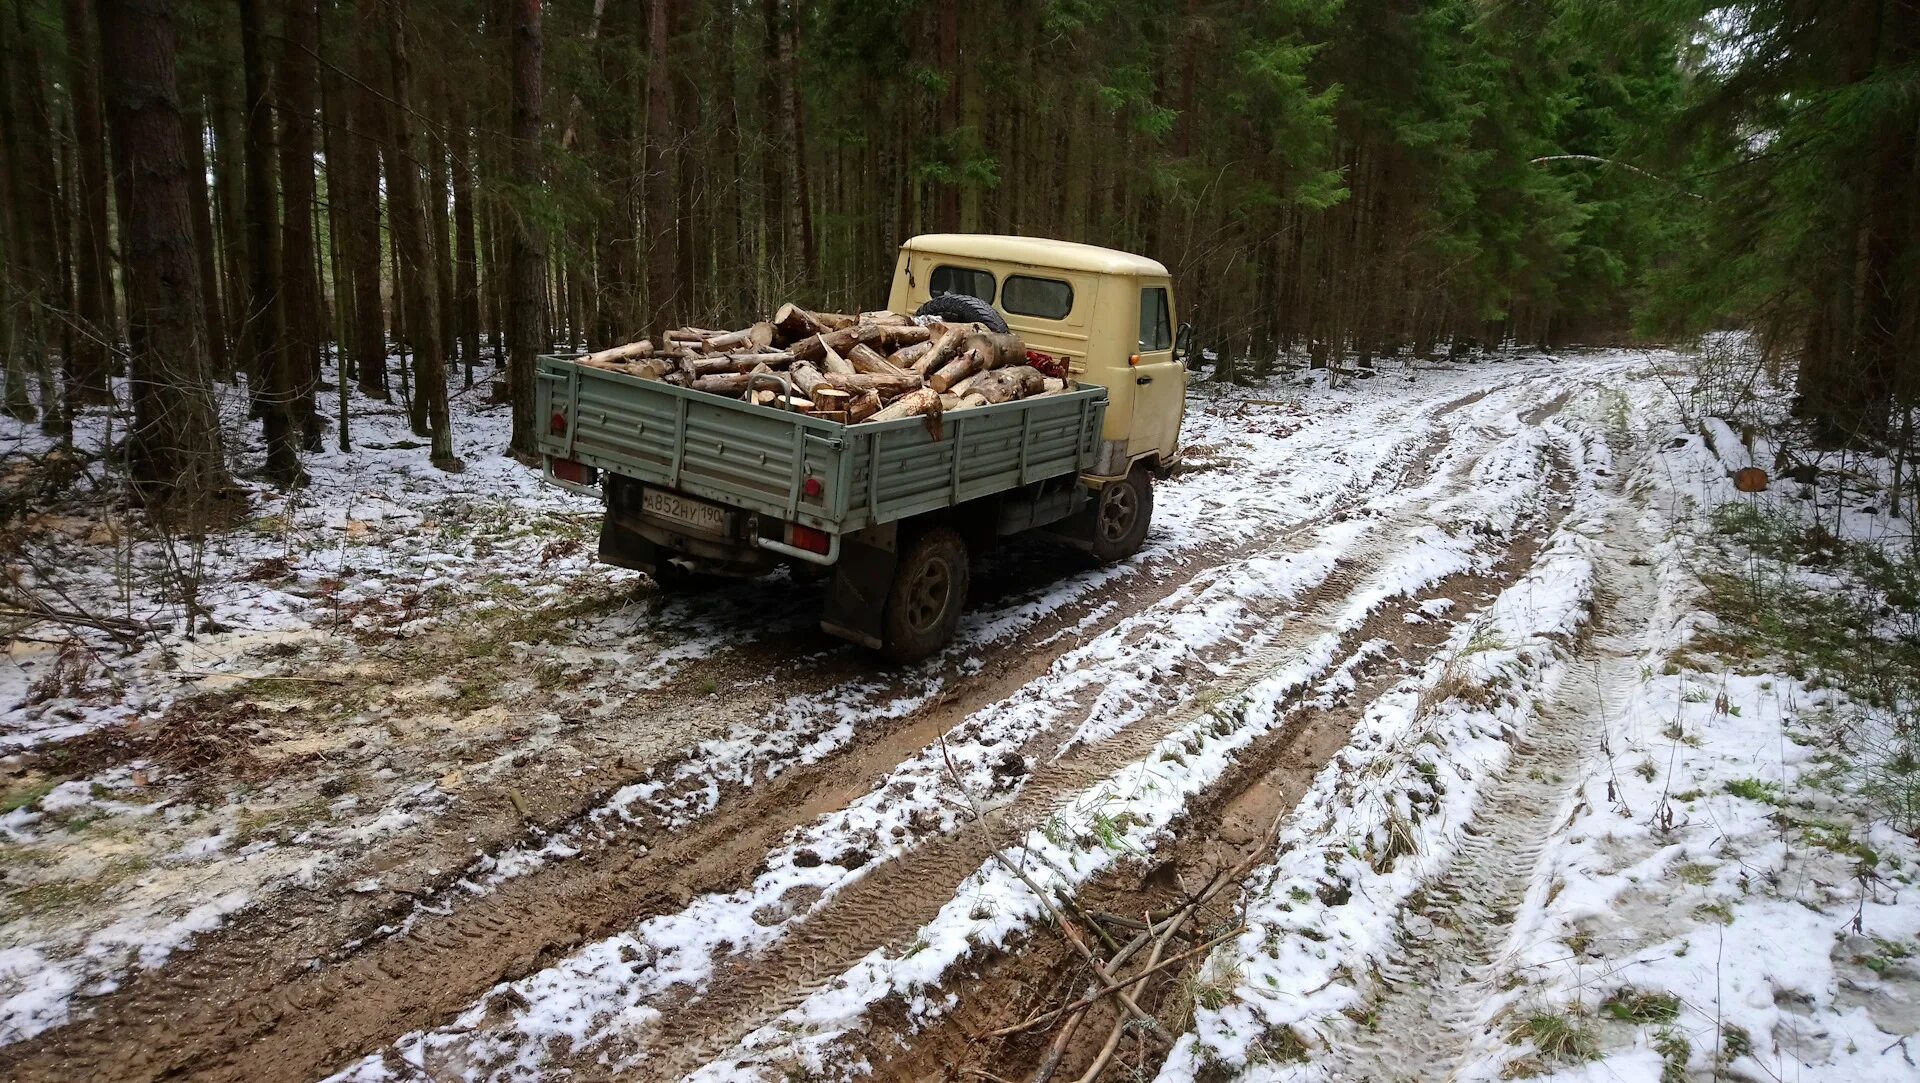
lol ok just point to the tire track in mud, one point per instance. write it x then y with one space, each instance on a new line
1431 1002
1269 776
260 1000
887 905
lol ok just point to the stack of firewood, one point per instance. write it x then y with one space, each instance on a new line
874 366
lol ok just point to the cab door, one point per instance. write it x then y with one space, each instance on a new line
1160 382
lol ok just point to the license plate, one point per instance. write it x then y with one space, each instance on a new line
698 515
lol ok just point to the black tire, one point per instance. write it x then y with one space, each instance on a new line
928 593
1122 512
962 308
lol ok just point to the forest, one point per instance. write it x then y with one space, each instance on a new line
235 192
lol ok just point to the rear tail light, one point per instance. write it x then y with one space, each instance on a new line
557 424
568 470
806 537
812 487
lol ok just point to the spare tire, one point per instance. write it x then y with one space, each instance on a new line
960 308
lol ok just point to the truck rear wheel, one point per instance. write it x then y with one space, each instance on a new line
1121 514
929 590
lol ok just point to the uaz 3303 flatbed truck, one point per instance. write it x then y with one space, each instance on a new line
697 485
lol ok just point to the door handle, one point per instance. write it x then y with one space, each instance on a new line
1143 380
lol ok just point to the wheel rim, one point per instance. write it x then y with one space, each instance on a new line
928 595
1117 511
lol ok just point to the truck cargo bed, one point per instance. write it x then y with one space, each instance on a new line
759 457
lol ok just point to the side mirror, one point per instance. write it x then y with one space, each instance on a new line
1183 343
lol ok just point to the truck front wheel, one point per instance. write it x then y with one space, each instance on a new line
929 590
1121 513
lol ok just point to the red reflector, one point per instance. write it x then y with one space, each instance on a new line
568 470
557 425
806 537
812 487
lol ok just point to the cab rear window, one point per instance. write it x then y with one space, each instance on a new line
970 281
1047 298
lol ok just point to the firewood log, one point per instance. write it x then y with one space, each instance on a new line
725 383
815 347
806 379
865 358
833 364
913 404
899 336
906 356
765 397
831 399
647 368
760 334
692 335
1054 386
958 369
997 350
620 353
737 362
963 386
885 318
1005 385
944 347
863 406
885 385
973 400
793 323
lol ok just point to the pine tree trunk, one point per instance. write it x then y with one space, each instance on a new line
296 88
660 232
206 249
466 285
36 195
272 378
229 190
528 247
97 328
176 457
413 242
359 197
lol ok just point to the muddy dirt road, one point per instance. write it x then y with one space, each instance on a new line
769 857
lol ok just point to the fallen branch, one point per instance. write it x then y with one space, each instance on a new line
1132 979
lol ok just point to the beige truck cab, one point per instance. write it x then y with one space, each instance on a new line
1111 315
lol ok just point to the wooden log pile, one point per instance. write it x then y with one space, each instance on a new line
869 366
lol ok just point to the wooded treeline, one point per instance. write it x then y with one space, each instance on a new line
219 190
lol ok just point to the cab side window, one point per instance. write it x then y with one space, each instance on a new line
1156 322
947 278
1047 298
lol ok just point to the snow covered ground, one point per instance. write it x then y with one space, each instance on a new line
529 817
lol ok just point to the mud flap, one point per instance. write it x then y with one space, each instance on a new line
857 597
624 547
